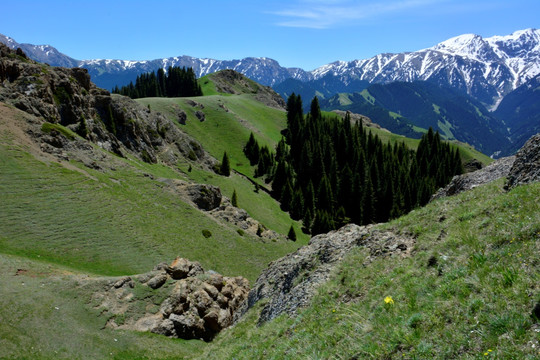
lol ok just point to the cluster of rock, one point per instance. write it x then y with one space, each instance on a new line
209 198
289 283
198 303
115 123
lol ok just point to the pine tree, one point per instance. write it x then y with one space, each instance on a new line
292 234
297 204
322 223
225 168
234 199
286 196
307 221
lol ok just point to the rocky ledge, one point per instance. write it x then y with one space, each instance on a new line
523 168
496 170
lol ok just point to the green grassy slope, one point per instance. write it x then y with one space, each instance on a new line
60 223
229 120
118 222
466 292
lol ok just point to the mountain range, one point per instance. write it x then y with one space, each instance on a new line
485 68
408 107
98 188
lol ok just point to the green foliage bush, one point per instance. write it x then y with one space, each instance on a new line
206 233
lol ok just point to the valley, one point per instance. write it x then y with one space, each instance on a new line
103 198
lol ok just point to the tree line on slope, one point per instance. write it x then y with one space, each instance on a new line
177 82
328 172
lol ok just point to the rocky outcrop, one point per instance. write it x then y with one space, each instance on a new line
193 303
68 98
523 168
206 197
459 183
209 198
239 217
365 121
526 168
232 82
289 283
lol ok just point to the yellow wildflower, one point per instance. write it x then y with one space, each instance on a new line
388 300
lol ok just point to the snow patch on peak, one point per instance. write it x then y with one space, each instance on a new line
469 45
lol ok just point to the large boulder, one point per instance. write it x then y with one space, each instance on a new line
194 304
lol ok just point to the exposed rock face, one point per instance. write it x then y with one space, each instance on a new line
114 123
496 170
526 168
206 197
196 305
290 282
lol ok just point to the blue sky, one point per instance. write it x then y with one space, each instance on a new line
297 33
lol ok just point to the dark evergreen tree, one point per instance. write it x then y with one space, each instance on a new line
329 172
177 82
292 234
225 167
234 199
322 223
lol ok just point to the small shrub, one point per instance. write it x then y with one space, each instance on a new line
82 130
145 155
61 95
240 232
206 233
415 320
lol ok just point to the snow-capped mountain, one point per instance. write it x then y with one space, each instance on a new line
485 68
108 73
42 53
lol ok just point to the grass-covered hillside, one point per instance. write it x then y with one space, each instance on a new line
63 223
467 291
67 223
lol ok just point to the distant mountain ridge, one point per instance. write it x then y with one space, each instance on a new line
484 68
399 105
